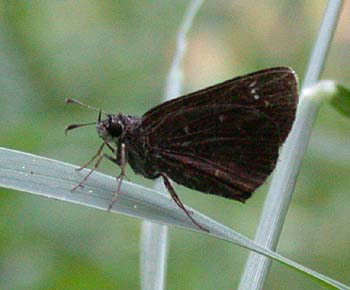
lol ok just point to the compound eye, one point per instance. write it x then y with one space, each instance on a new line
115 129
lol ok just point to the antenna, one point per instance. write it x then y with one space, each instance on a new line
74 126
75 101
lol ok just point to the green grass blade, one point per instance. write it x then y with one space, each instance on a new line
54 179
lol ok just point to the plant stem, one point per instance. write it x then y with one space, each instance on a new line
286 173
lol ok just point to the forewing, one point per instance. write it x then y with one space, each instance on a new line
224 140
272 91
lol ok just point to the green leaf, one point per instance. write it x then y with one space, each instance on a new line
341 100
54 179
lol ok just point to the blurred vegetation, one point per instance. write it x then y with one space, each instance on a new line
115 55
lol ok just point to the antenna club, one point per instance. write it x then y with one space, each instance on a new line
69 101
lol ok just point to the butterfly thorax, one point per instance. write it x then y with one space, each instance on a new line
121 129
138 154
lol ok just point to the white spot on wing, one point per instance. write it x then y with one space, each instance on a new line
252 84
187 129
253 90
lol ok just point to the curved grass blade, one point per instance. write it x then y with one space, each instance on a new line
54 179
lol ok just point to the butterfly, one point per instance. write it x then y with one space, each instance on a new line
222 140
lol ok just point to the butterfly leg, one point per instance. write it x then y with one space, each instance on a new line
121 161
110 147
179 203
99 157
90 172
98 154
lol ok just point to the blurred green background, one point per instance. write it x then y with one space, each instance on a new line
115 55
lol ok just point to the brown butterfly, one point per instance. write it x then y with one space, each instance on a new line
222 140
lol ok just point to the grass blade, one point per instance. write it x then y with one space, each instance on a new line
54 179
285 176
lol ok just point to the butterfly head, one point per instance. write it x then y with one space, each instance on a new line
111 128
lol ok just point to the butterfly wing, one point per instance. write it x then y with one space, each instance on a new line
224 140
